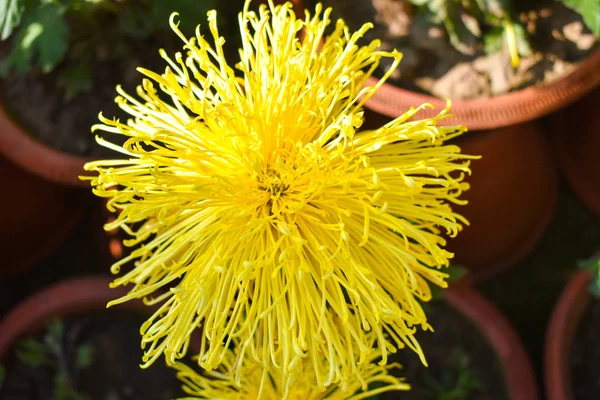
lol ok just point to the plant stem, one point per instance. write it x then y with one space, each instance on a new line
511 39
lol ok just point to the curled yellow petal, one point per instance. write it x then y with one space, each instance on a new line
254 197
259 384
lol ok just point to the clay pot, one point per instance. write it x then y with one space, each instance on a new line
36 217
513 191
65 299
61 300
84 294
576 142
37 158
561 332
500 111
518 372
512 198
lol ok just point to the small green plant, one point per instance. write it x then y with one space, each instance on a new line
456 384
51 32
468 21
50 353
593 265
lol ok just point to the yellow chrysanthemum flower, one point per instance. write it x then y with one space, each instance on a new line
254 198
256 383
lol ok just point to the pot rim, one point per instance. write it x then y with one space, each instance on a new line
498 111
65 298
36 157
70 297
494 112
88 293
563 325
516 366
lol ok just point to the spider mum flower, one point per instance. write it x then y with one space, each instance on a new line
371 380
252 195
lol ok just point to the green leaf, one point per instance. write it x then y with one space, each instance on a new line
44 36
52 42
10 16
55 330
523 46
589 11
497 8
62 388
75 80
84 356
497 38
593 265
32 353
493 42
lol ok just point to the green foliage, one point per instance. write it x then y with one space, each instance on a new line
51 32
456 384
467 20
589 11
593 265
33 353
10 16
50 352
83 357
43 36
494 41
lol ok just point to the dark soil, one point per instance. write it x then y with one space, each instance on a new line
459 357
115 342
40 106
585 355
557 36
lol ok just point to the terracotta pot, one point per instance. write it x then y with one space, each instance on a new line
576 142
512 198
85 294
518 372
61 300
34 156
500 111
36 216
513 191
561 332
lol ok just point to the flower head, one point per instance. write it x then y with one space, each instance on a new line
257 383
252 195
